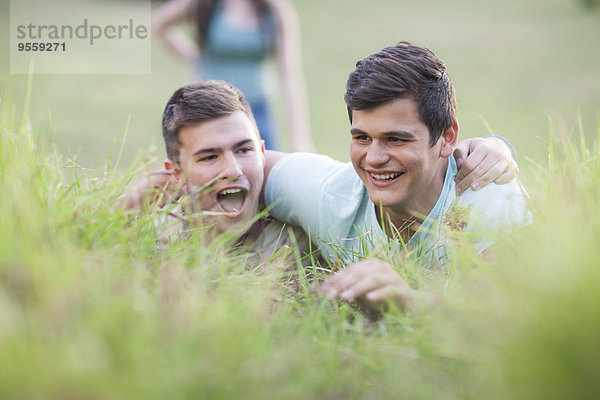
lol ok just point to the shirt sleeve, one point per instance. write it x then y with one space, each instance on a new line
295 186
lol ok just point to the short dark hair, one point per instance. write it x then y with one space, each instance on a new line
197 102
405 71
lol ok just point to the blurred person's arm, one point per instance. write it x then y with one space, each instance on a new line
164 20
289 61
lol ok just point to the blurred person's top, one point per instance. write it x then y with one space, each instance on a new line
237 54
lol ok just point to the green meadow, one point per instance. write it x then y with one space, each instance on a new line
91 308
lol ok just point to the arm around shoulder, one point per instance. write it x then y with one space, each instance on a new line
271 158
482 161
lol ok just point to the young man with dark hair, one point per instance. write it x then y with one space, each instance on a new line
400 185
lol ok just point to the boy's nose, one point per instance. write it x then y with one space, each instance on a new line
376 154
231 167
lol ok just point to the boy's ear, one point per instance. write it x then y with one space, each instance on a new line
449 139
175 174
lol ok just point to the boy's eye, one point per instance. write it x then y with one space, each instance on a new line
399 139
244 150
208 158
360 138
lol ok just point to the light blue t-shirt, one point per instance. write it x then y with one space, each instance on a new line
238 55
329 201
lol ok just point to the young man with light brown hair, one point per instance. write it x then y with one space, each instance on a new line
215 157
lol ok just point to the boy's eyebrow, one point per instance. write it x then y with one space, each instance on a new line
403 134
356 131
204 151
242 142
218 149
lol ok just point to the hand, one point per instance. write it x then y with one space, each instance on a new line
154 190
373 284
481 161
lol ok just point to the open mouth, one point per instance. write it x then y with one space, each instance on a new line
231 200
386 177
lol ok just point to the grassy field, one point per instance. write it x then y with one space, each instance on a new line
90 308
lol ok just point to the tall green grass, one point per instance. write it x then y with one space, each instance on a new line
90 308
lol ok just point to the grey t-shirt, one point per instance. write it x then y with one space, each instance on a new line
268 240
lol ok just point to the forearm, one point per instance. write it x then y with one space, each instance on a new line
296 109
180 45
164 21
289 60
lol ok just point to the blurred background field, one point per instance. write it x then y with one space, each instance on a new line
514 63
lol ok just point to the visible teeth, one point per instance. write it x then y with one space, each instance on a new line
229 191
385 177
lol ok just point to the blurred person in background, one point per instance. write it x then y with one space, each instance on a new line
234 41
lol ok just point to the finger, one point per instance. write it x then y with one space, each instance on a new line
340 281
508 174
328 290
506 177
361 288
459 156
389 293
490 175
353 274
461 151
468 182
463 183
490 168
382 276
470 163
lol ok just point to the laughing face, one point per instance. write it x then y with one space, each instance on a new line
391 153
222 168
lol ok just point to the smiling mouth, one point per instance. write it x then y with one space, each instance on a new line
231 200
385 177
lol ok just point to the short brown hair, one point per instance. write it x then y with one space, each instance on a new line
405 71
197 102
